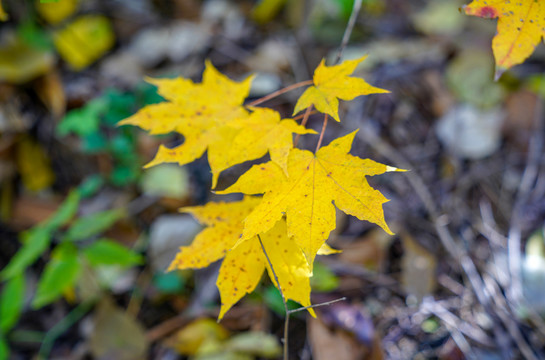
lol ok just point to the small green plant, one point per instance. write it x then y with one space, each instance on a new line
95 125
76 247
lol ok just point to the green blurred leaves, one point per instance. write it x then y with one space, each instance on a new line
60 274
323 279
36 242
91 225
109 252
11 302
65 213
65 266
96 125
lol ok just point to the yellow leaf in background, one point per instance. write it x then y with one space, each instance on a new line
332 83
84 40
521 26
210 116
116 331
243 265
307 194
34 165
196 334
55 12
3 15
265 10
51 91
20 62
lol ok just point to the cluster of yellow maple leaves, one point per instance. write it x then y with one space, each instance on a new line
295 214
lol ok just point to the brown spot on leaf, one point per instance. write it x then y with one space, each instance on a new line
487 12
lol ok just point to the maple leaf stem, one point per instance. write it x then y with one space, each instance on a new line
322 133
287 319
303 123
280 92
317 305
303 115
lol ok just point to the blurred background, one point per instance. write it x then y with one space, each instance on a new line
86 233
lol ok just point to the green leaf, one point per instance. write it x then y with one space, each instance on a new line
90 185
346 7
11 302
323 279
108 252
123 175
430 325
83 121
34 35
4 348
121 106
169 283
65 212
93 224
48 1
536 83
273 299
94 143
146 94
121 145
35 241
59 275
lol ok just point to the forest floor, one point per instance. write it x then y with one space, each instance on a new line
462 278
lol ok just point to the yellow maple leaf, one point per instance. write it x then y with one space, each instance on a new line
210 116
264 131
244 265
84 40
307 194
521 26
3 15
332 83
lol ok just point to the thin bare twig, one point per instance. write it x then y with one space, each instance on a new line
316 305
322 133
349 28
287 320
528 179
289 312
502 310
430 306
300 116
440 224
279 92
